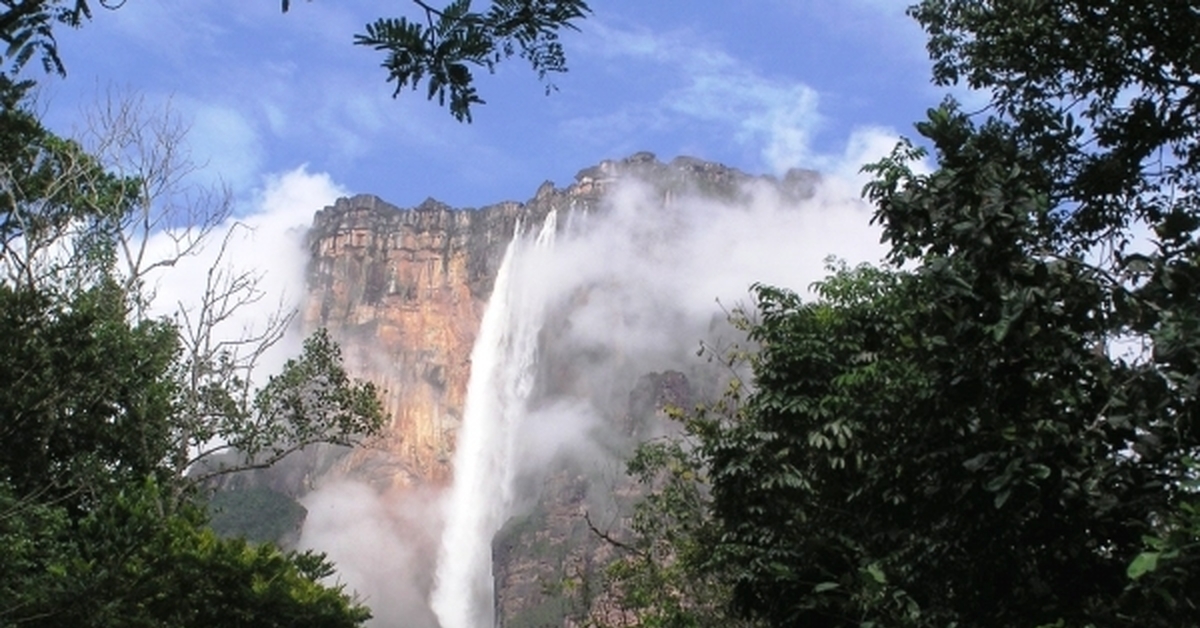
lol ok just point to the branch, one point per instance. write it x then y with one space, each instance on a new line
607 538
269 461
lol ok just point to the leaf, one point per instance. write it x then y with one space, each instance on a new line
1145 563
1040 471
977 462
825 586
876 573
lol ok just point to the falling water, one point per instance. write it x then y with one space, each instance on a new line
503 363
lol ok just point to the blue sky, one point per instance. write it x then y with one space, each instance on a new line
761 85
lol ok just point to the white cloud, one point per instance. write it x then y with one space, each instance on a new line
778 118
264 240
381 545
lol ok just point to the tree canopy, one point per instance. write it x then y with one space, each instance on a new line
999 425
440 47
104 417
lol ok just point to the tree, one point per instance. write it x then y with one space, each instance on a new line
441 47
312 400
960 437
658 578
58 205
97 520
87 393
74 228
88 400
125 563
144 148
27 28
454 38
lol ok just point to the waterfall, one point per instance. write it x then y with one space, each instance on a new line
503 364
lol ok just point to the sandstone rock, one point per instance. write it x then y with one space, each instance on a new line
404 290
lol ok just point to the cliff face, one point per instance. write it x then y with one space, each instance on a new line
549 562
404 291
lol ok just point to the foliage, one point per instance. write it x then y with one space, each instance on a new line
312 400
259 515
87 400
58 206
659 580
454 38
442 48
27 28
965 436
96 520
126 564
36 539
1102 92
125 396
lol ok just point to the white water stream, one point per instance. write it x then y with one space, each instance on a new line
503 367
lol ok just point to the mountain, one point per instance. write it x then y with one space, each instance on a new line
404 291
563 327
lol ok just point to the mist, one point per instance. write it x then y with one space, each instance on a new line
262 239
634 288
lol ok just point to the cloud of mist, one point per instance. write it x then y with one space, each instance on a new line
384 546
628 290
264 240
638 287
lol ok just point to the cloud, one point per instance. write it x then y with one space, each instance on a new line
263 241
779 118
381 544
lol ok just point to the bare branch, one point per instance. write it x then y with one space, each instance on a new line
146 147
608 538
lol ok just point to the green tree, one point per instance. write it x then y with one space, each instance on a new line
87 394
312 400
440 47
125 563
97 524
659 578
89 373
88 398
454 39
958 438
27 28
58 205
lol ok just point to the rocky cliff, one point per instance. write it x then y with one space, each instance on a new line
404 289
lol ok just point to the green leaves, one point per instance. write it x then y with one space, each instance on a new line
27 29
952 439
126 563
1144 563
98 407
312 400
443 48
88 396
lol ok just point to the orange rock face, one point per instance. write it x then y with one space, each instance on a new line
403 290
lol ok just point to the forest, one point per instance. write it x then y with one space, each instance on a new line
996 425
